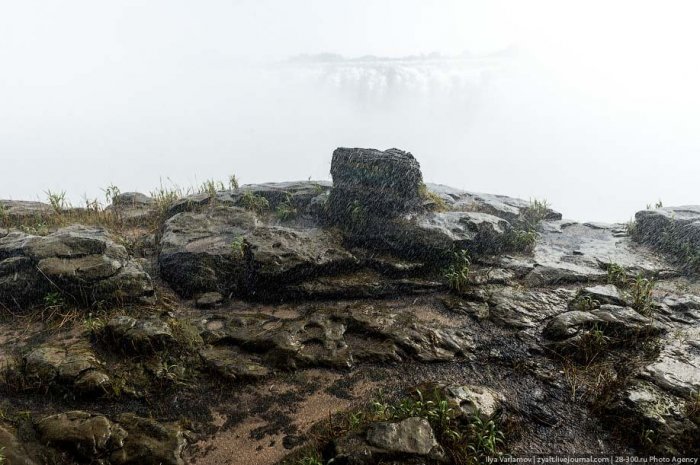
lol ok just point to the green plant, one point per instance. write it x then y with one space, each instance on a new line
211 187
286 209
531 216
457 274
641 291
3 213
238 247
165 197
57 200
310 460
485 438
254 203
233 182
2 455
521 240
592 343
111 193
54 299
617 275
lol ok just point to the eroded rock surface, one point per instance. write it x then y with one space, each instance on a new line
129 440
84 265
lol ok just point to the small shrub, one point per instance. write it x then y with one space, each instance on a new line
617 275
520 240
57 200
254 203
211 187
238 247
233 182
53 300
457 274
111 193
286 209
641 290
532 215
165 197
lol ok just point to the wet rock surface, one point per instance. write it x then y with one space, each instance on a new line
318 320
82 264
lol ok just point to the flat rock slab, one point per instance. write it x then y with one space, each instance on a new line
576 253
677 368
83 264
22 210
334 338
232 250
502 206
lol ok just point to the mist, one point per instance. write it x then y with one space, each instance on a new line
594 107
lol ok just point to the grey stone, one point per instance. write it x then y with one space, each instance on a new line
379 183
85 264
139 335
413 436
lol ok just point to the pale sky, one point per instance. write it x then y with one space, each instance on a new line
597 108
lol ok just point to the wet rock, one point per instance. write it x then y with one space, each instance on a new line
675 230
578 253
508 208
81 433
470 400
139 335
335 338
84 264
658 417
17 452
307 198
369 182
574 331
232 364
433 237
229 250
604 294
209 300
412 436
684 309
74 366
149 442
22 210
130 440
133 207
677 368
521 308
360 284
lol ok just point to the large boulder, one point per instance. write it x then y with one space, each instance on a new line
675 230
85 265
232 250
369 182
